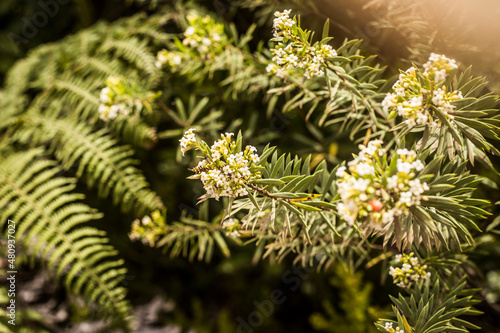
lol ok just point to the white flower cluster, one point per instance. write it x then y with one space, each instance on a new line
442 101
223 171
411 97
188 140
438 67
203 34
148 229
110 106
410 188
172 59
410 271
283 24
232 225
389 329
296 54
276 70
373 191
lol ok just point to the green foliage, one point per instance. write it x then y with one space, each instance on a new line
290 211
193 239
53 137
447 214
292 208
355 313
51 102
434 308
49 219
100 160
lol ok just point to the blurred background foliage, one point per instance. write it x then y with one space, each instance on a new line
181 296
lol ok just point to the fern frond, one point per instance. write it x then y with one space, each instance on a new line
49 225
134 131
135 52
91 65
101 161
76 92
72 72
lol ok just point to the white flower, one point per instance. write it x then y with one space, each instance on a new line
104 97
328 50
161 57
361 184
365 169
341 171
414 261
406 197
146 220
440 75
271 68
416 102
410 122
113 112
392 182
176 60
203 49
404 167
242 192
389 101
188 140
347 214
410 271
422 119
235 234
189 31
206 41
388 216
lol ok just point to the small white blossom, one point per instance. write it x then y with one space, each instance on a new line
206 41
235 234
365 169
340 171
146 220
189 31
188 140
409 272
